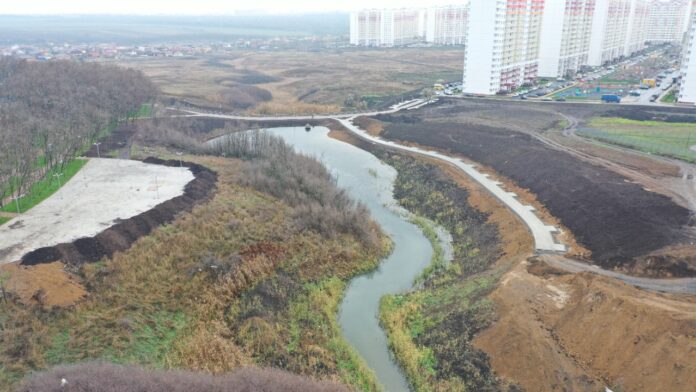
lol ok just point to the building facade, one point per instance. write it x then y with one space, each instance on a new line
687 86
385 28
502 45
446 25
667 21
565 37
637 27
610 27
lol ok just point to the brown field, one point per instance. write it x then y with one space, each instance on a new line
618 216
300 82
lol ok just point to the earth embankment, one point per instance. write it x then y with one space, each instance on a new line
124 233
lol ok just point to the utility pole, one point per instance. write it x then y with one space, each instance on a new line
181 164
16 200
60 183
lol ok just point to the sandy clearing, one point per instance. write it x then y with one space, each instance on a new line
104 191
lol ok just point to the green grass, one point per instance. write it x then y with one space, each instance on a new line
41 190
437 261
655 137
4 220
670 97
609 80
145 111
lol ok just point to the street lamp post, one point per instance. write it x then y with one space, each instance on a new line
60 183
181 164
97 145
16 200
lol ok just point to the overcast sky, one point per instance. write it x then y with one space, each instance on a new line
199 7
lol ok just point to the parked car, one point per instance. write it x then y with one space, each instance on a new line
611 98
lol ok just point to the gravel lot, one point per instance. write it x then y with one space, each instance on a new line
103 192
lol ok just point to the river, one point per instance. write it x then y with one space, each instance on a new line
370 181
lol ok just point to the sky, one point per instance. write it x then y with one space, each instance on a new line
199 7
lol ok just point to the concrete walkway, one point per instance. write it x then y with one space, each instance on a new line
102 192
543 234
412 104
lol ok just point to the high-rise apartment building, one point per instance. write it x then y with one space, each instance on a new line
502 45
637 27
610 30
386 27
667 20
446 25
565 36
687 87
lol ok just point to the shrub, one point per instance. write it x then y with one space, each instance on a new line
300 181
104 377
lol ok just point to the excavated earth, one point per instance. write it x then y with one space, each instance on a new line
123 234
619 221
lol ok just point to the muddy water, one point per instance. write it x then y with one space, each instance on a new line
370 181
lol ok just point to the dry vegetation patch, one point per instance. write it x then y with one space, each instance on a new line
245 278
301 82
103 377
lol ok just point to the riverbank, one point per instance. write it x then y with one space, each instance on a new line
237 281
370 181
543 336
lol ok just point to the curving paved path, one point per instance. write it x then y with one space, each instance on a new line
545 244
407 105
543 234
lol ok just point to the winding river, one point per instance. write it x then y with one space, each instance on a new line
370 181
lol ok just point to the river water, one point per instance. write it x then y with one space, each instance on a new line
370 181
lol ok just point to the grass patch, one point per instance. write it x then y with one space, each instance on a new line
43 189
656 137
4 220
145 111
670 97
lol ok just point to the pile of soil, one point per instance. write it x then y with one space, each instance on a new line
44 284
582 332
617 220
122 235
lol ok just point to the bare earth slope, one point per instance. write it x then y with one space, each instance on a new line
567 332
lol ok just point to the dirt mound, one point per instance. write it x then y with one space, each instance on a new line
123 234
583 332
106 377
43 284
617 220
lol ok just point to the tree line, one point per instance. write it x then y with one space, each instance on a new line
51 111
